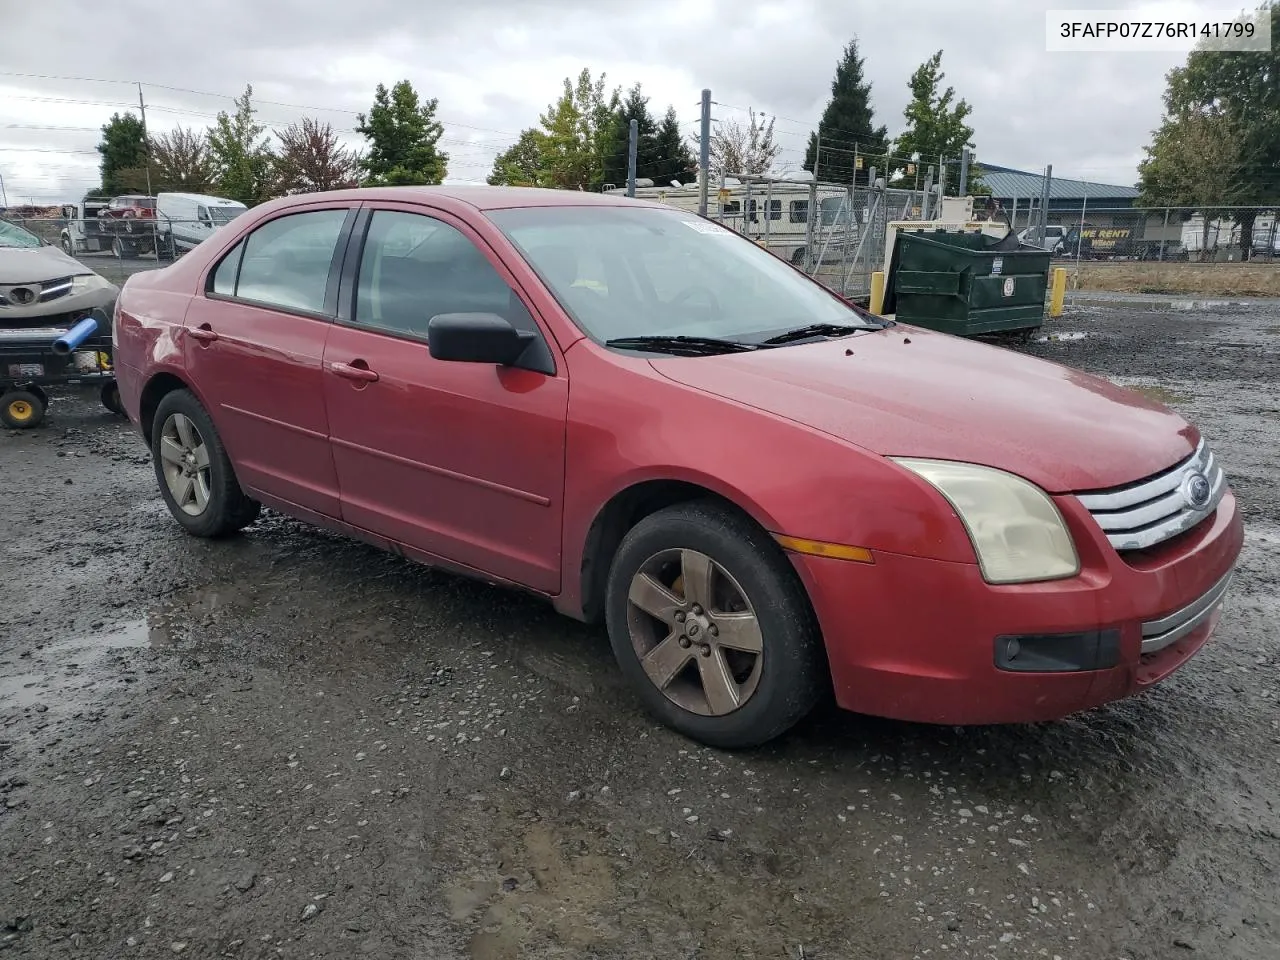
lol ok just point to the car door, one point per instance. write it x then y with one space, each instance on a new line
463 461
253 345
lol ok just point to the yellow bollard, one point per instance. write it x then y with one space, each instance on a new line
877 292
1059 291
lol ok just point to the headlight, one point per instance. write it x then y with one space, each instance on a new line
86 282
1016 530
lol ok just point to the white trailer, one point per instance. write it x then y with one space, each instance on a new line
773 211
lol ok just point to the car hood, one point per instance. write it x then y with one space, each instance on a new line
903 391
36 264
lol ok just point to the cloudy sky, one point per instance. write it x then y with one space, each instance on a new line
495 64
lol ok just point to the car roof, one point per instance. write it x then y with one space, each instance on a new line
201 198
481 197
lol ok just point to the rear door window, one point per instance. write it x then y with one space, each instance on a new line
287 261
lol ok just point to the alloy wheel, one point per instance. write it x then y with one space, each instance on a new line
695 632
185 460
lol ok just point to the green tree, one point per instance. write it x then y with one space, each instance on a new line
846 124
521 164
1237 94
634 107
1190 165
242 158
675 159
578 130
404 136
124 154
936 130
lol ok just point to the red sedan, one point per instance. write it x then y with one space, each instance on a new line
760 489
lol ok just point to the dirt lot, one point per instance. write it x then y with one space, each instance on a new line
1199 279
289 745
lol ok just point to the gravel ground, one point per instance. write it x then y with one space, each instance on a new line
290 745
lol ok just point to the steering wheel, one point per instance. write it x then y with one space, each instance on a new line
688 293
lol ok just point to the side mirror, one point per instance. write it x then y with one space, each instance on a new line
476 338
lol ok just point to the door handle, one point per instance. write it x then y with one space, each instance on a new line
349 371
204 333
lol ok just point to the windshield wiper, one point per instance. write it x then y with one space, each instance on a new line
680 344
815 330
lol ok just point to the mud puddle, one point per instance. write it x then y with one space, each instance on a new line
66 675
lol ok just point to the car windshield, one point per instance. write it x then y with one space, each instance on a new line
12 235
624 272
224 214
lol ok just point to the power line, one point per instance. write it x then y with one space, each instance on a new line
220 96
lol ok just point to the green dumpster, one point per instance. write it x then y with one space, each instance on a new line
966 283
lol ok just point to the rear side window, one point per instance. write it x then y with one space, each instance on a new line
286 262
224 277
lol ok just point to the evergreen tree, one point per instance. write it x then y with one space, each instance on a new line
124 154
847 123
634 107
403 135
675 161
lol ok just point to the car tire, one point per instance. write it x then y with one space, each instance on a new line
68 247
717 690
185 446
110 396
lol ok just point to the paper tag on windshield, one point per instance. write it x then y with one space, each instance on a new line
705 226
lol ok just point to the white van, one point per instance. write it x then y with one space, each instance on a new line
185 219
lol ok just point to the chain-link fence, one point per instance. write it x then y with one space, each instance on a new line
113 247
835 232
1225 235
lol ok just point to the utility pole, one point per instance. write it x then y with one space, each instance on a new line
704 154
633 142
5 195
1044 201
146 142
964 172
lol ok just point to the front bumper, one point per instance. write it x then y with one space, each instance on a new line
927 640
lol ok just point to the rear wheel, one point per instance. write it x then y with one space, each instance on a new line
111 398
23 409
710 624
196 478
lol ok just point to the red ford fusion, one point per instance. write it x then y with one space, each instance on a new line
760 489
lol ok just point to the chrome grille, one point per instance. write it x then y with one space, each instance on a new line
1154 510
53 289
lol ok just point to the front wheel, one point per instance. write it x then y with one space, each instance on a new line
711 625
196 478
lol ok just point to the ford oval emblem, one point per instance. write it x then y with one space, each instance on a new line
1198 491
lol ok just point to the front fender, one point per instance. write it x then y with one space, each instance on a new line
790 478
